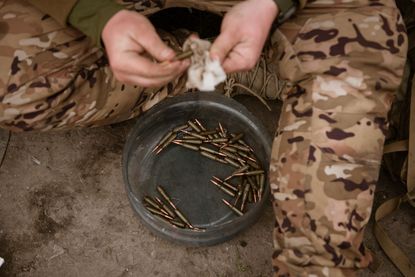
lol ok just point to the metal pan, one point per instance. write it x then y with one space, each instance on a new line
185 174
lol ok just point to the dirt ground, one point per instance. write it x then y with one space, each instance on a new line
64 212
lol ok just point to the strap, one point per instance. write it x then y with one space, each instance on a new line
411 151
287 8
396 146
395 254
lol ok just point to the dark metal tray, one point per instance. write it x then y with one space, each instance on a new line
185 174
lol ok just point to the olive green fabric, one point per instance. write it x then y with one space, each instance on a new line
90 17
59 10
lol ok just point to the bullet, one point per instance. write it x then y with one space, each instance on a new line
200 125
234 209
235 138
250 173
162 141
179 128
190 141
183 55
183 218
212 157
150 202
225 184
230 149
242 148
158 212
245 155
225 190
177 224
241 187
261 185
239 170
165 207
166 197
194 127
229 154
245 196
232 162
207 133
187 145
167 143
222 130
194 135
250 195
217 140
163 219
207 149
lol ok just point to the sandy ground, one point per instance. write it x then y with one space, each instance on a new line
64 212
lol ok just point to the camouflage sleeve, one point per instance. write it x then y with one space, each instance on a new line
59 10
90 17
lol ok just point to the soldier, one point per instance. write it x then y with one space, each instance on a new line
342 60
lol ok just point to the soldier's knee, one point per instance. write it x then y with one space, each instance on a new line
20 117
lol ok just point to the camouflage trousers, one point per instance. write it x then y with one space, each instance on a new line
343 60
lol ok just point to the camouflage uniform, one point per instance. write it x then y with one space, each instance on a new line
343 60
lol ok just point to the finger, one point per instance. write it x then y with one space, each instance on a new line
153 44
233 63
223 44
144 82
239 61
141 66
194 36
134 79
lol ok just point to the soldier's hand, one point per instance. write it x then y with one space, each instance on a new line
127 36
243 33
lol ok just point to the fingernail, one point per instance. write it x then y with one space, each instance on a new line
214 57
194 36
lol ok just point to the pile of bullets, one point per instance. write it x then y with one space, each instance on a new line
168 213
245 185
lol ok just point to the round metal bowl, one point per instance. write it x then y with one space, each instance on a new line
185 174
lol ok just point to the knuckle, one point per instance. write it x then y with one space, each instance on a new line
119 77
250 63
115 65
146 83
247 64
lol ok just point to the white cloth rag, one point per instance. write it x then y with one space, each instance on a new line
1 261
204 73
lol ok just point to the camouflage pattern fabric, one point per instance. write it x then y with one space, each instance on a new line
343 61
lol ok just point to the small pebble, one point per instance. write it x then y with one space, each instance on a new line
243 243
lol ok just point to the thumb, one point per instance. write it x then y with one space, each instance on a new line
223 44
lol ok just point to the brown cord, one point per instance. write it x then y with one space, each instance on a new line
232 82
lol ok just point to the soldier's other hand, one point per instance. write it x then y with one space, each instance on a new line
243 33
129 40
